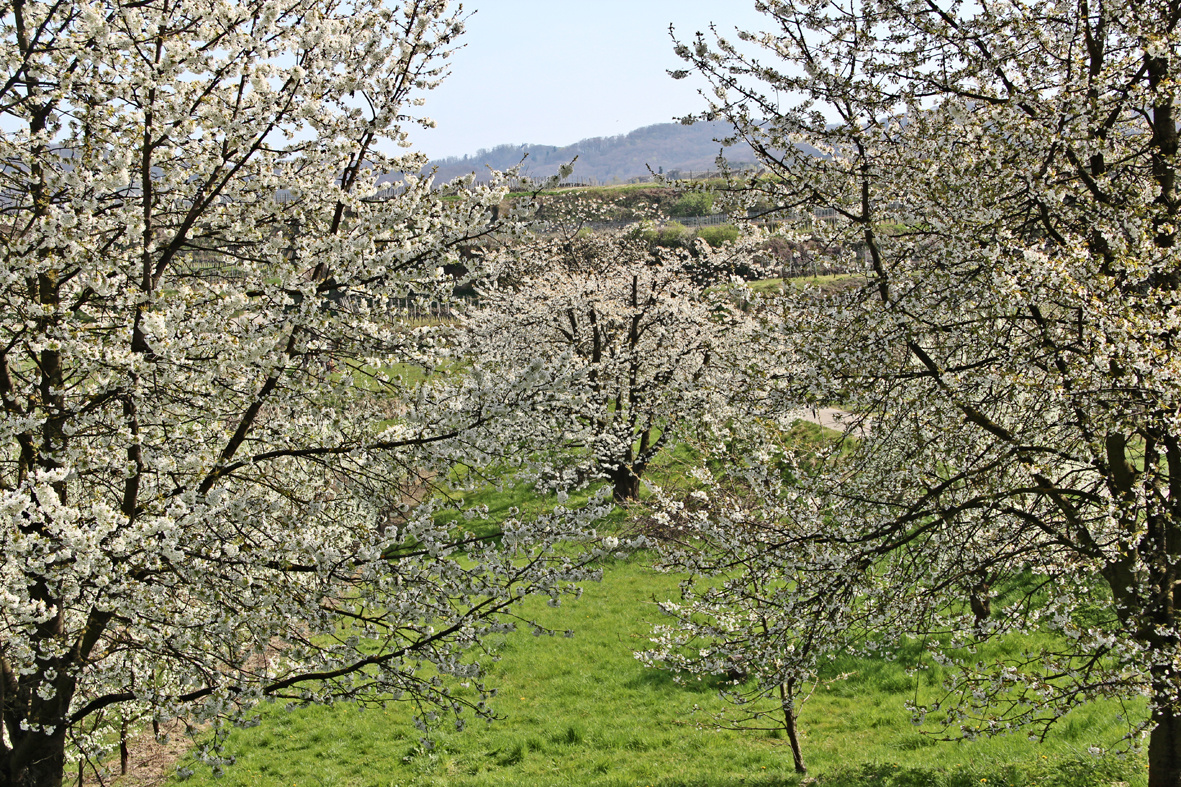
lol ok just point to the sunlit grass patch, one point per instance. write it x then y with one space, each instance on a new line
584 711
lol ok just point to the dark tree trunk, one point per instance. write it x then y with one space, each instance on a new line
625 483
1164 749
978 598
981 608
36 757
38 761
124 754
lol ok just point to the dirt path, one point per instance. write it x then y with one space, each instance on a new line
149 764
837 420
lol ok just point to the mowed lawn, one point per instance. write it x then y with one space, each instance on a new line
584 711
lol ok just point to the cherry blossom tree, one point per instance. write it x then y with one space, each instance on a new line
746 616
645 345
1010 171
205 452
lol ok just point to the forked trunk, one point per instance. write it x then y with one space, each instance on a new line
625 483
979 600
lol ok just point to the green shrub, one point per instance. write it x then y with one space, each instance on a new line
669 235
718 234
695 203
672 234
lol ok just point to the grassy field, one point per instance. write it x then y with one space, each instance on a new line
583 711
834 281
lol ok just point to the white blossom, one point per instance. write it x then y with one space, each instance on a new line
212 490
1007 174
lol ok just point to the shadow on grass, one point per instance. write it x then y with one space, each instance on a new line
733 781
663 680
1081 771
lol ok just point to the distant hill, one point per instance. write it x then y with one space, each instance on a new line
669 147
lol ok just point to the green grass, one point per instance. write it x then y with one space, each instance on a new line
368 378
834 281
583 711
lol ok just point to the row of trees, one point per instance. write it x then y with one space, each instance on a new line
205 481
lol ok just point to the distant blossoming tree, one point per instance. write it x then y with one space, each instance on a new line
647 348
202 461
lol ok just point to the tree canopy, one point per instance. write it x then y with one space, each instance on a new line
209 460
1010 171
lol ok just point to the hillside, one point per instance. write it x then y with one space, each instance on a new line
667 147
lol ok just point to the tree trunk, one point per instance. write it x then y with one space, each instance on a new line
787 702
39 761
1164 748
124 754
625 483
979 600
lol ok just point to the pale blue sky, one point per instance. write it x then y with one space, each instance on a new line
553 72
